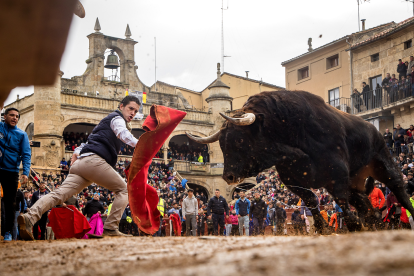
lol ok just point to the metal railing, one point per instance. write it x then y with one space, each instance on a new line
343 104
380 97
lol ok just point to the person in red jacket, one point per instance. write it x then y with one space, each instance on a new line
377 200
394 211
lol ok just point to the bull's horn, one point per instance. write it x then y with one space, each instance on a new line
245 120
206 140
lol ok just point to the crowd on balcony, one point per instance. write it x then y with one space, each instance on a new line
390 90
74 140
191 152
184 152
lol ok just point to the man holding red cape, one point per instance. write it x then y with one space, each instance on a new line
93 162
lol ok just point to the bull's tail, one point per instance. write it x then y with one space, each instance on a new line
369 185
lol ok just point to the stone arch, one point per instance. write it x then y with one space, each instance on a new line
79 120
118 51
182 132
246 186
202 184
30 130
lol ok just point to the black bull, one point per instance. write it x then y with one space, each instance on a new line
312 145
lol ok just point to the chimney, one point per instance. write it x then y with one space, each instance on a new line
363 24
247 74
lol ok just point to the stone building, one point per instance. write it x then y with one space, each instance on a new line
79 103
374 57
334 70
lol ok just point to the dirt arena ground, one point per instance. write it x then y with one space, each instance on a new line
381 253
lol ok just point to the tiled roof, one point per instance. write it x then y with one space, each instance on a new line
175 86
386 32
314 50
252 80
335 41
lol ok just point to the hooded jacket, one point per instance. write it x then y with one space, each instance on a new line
14 148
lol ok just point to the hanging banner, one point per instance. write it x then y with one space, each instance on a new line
139 95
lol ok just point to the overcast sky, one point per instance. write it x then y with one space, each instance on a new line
258 35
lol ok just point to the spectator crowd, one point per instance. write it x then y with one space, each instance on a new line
390 90
268 206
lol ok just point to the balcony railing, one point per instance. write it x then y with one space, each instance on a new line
379 98
343 104
92 102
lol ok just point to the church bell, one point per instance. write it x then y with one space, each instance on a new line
112 61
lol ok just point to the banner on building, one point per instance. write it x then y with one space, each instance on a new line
139 95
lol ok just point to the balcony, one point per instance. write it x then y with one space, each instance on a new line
86 102
184 167
381 100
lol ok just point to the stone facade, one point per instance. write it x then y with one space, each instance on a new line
90 97
390 46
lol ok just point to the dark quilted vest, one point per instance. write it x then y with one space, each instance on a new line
103 141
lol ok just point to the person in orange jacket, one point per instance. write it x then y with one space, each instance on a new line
324 213
377 200
334 219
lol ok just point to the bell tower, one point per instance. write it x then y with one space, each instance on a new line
122 48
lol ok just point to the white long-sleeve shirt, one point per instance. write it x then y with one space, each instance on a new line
118 126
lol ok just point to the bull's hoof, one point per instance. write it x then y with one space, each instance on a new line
323 228
354 224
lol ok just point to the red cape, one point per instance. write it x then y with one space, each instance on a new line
143 199
176 222
68 223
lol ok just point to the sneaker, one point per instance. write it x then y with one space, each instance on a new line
114 233
7 236
25 228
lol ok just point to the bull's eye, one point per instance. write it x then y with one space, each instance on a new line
239 142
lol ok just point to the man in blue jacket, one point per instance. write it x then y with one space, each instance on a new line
14 149
242 207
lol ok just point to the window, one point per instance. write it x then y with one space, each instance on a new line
303 73
332 61
334 97
408 44
375 57
375 81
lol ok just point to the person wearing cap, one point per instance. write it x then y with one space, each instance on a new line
189 211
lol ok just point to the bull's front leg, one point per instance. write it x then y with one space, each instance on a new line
298 174
294 162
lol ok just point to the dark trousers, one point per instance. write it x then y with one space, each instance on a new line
218 220
200 229
397 146
158 233
123 226
210 231
280 227
258 226
234 230
9 182
42 225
